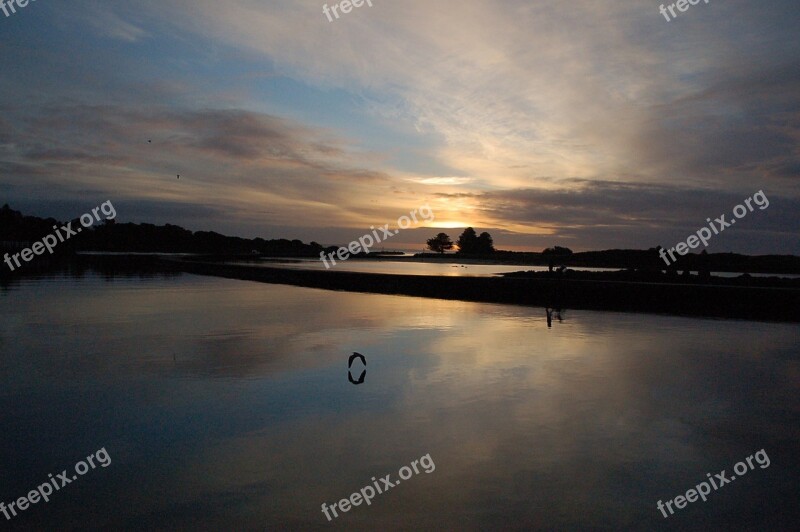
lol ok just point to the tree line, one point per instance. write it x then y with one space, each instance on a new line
469 243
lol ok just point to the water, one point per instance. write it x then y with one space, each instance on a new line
226 405
406 267
434 267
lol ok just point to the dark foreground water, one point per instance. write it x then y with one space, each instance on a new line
226 405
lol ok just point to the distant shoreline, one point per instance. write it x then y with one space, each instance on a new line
453 258
762 303
744 297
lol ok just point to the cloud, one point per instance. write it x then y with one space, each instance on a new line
110 25
593 90
444 180
588 214
244 160
533 118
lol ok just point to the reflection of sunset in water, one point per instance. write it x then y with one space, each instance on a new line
248 406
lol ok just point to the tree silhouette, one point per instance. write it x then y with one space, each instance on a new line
112 235
485 243
557 251
470 243
440 243
467 241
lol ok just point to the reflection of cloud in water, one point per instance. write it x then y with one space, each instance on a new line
585 424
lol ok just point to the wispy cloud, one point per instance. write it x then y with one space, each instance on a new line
111 25
444 180
588 121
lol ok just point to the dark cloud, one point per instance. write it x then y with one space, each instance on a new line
594 89
106 148
789 168
244 135
599 214
747 118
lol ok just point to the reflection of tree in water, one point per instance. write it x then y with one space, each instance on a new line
557 312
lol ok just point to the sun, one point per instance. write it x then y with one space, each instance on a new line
449 225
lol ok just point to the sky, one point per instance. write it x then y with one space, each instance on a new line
589 124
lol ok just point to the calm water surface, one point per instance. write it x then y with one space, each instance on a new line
407 267
226 405
434 267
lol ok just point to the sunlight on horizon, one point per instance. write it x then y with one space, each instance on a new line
449 225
